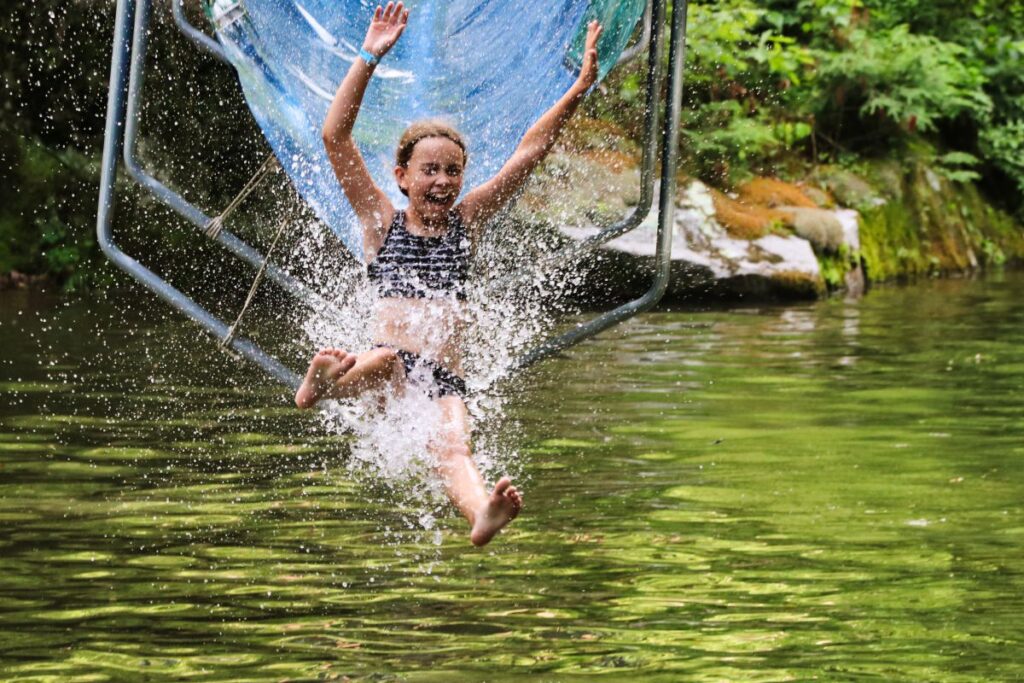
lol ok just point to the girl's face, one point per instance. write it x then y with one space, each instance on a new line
433 179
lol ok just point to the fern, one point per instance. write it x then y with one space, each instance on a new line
1004 146
903 78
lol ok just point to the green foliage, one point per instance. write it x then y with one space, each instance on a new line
48 212
719 136
1004 145
731 43
814 21
895 79
743 76
835 266
991 33
958 166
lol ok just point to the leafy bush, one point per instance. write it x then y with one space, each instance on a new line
48 212
1004 146
742 85
958 166
721 136
896 80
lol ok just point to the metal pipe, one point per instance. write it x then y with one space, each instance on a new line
650 147
666 208
116 112
201 40
168 196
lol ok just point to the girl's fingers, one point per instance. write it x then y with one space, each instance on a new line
396 14
377 13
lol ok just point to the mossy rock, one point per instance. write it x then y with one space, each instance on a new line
820 227
742 220
938 226
772 192
848 188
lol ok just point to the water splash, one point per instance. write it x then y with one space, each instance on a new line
508 309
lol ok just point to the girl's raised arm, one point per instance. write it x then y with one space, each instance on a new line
487 199
371 205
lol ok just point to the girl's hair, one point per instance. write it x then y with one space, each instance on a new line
431 128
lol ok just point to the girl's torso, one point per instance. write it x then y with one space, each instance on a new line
421 285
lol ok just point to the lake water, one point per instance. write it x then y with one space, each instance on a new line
831 491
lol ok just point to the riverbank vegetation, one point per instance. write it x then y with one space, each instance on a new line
783 88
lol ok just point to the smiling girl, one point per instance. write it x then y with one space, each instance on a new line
418 259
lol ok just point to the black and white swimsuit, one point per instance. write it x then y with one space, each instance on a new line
417 267
408 265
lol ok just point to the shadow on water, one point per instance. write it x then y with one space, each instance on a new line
828 491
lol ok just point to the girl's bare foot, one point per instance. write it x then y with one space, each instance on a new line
501 507
327 368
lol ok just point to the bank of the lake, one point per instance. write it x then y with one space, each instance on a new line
821 229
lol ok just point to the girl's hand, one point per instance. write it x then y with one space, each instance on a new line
588 72
386 27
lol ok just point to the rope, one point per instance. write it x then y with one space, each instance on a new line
269 166
252 290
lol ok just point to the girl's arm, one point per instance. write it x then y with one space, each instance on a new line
487 199
371 205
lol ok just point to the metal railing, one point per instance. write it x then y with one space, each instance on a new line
666 202
116 140
132 117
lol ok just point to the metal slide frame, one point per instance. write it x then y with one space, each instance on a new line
667 188
127 71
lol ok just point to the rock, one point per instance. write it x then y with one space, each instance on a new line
706 259
849 189
820 227
850 220
772 192
818 196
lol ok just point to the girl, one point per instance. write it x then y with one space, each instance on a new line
418 258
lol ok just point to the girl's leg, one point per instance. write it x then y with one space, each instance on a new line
334 373
486 512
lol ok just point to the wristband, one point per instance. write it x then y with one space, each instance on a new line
370 59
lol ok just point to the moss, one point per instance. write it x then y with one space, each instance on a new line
820 227
937 226
835 265
771 192
799 284
742 220
848 188
890 243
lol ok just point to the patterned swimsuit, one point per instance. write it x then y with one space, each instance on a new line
417 267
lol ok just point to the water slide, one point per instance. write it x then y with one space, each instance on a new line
490 67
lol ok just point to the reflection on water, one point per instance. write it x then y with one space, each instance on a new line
827 492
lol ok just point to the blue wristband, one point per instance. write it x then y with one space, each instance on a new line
370 60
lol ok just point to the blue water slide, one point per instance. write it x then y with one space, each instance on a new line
490 67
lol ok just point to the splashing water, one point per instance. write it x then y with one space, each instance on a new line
506 312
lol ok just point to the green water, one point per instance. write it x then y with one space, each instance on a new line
822 492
